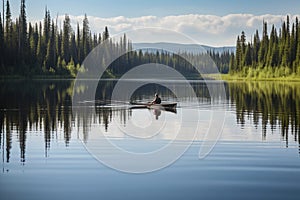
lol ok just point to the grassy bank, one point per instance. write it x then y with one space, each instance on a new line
236 77
35 77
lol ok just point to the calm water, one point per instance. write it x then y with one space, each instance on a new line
44 142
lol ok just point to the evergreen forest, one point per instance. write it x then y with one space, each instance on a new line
273 54
43 49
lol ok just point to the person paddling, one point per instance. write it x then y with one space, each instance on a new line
156 99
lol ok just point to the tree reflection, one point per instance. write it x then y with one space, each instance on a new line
275 104
46 107
34 105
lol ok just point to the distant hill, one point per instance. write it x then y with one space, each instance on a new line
191 48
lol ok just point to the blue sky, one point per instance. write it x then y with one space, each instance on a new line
107 12
135 8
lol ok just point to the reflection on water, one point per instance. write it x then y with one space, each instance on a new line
34 106
45 108
270 104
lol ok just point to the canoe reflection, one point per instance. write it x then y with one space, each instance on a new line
157 109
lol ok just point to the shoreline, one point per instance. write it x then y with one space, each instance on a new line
233 78
217 77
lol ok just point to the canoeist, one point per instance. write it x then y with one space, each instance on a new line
156 99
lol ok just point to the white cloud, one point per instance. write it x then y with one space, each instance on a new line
206 29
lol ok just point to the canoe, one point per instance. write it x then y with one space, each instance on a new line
169 107
148 105
163 105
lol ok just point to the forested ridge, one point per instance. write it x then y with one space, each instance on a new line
43 49
274 54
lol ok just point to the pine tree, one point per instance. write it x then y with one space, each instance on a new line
247 57
33 43
14 58
40 48
243 43
74 53
85 37
238 55
99 38
67 29
59 44
78 44
271 47
256 47
31 49
273 53
47 24
8 25
297 62
293 48
95 41
23 45
50 60
1 44
263 50
105 34
7 18
286 54
232 64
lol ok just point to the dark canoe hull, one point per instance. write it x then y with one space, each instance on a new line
162 105
171 107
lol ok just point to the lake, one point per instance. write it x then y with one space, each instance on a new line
54 146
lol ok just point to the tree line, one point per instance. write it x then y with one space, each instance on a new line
274 54
43 48
183 62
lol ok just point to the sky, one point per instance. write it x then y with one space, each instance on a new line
209 22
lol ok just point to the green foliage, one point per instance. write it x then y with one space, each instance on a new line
272 56
42 49
222 60
1 45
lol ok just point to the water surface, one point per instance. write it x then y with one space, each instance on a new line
43 152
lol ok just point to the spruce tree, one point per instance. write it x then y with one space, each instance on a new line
46 27
1 44
263 50
33 42
297 61
232 64
10 38
247 57
78 44
293 48
243 43
85 37
50 60
105 34
74 53
23 43
269 61
8 26
67 29
238 55
40 48
59 43
256 47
